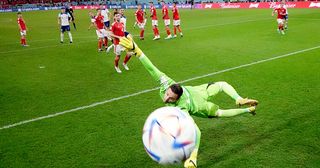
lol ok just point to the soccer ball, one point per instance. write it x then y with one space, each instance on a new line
169 135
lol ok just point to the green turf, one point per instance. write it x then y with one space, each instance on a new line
285 132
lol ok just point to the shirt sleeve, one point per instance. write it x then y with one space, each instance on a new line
156 74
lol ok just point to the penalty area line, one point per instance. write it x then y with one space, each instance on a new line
153 89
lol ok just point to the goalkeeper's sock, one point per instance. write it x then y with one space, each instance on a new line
232 112
74 25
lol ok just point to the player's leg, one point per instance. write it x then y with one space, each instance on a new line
234 112
174 31
117 52
167 24
74 24
23 41
105 38
215 88
191 162
179 29
134 25
110 47
126 59
62 30
286 22
141 26
100 39
69 33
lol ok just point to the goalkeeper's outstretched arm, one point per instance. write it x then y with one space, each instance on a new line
156 74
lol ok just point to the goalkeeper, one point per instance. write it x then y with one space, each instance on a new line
196 100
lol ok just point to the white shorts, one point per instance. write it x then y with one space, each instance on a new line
118 49
141 25
103 33
176 22
93 20
280 21
167 22
154 22
23 32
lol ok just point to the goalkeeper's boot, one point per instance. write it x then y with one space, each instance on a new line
252 110
246 101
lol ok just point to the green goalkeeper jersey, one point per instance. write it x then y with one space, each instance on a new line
194 100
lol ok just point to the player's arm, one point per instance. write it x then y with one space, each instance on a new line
59 20
273 11
113 35
69 17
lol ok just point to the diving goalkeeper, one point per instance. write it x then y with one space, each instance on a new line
196 100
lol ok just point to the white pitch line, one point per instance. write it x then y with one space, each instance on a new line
149 90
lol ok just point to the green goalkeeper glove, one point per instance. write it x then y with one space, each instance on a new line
130 45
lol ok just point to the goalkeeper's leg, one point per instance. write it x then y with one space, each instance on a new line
191 162
234 112
217 87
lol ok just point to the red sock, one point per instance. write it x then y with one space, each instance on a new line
116 61
175 30
157 31
106 42
168 31
179 29
99 43
21 41
24 41
154 31
141 33
126 59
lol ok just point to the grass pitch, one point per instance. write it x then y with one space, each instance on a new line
49 77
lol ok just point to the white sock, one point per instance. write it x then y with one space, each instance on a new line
61 36
70 36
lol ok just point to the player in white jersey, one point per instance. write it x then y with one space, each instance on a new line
286 17
106 16
64 22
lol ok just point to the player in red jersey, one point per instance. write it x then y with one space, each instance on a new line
176 20
117 31
166 19
23 30
140 21
153 15
280 18
101 31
